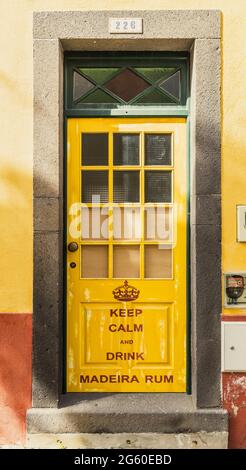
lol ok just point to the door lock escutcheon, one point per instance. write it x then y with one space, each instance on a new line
73 246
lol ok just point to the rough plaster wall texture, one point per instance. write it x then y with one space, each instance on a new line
95 27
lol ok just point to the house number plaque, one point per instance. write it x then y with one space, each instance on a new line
125 25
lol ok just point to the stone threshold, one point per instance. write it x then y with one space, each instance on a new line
199 440
126 413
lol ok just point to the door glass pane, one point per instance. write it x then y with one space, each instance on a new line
126 149
153 96
172 85
94 223
126 85
157 261
126 261
94 186
155 73
80 85
94 261
99 96
158 149
126 223
158 223
126 186
158 186
99 74
94 149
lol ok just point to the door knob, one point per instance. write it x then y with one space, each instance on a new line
73 246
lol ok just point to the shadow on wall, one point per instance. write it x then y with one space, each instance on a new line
15 298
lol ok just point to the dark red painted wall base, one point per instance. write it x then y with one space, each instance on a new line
15 375
234 399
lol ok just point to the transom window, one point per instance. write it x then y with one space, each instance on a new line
107 82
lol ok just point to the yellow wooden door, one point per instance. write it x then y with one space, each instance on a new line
126 256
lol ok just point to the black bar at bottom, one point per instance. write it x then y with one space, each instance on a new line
111 458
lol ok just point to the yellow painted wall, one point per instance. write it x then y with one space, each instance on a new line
16 132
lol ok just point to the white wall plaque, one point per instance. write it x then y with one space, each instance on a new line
234 346
125 25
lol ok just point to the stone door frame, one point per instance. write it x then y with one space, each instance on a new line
196 31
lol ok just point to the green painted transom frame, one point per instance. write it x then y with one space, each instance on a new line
112 81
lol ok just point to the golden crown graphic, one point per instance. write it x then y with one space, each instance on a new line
126 292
